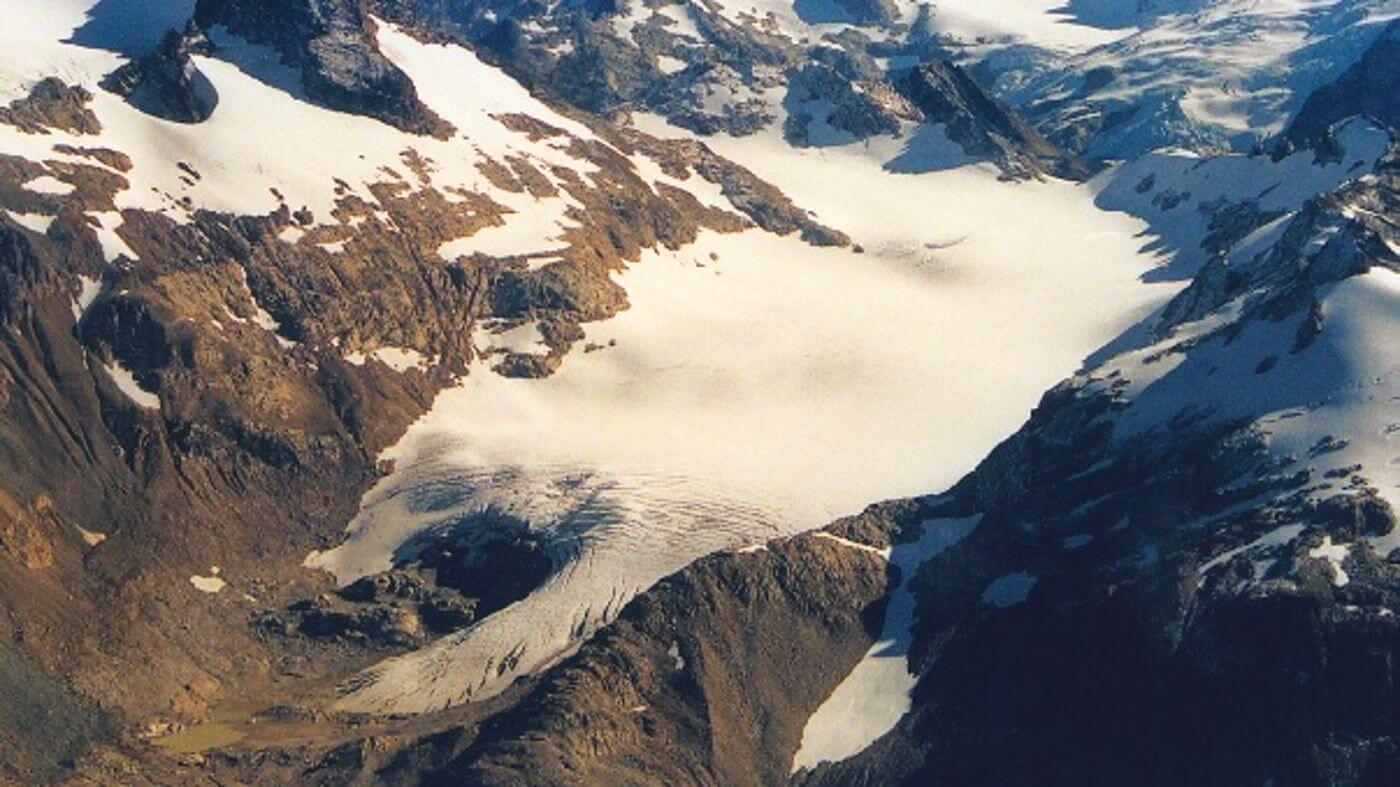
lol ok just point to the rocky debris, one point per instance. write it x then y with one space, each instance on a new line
981 124
1366 89
379 625
332 42
21 536
48 710
442 582
166 83
52 104
1230 222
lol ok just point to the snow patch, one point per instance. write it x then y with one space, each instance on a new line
1334 554
34 222
88 290
127 384
875 695
1077 541
90 537
1009 590
47 184
210 584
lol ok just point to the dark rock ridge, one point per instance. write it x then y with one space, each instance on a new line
166 83
332 42
1366 89
873 12
981 124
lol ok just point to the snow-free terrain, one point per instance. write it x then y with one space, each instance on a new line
755 388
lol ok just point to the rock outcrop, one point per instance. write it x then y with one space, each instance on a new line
981 124
52 104
332 43
166 83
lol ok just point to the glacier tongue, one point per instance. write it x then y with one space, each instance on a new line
757 387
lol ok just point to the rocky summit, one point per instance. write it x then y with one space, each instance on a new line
653 392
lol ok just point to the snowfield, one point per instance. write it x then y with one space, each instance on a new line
758 387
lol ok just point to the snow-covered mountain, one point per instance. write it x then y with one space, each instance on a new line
440 391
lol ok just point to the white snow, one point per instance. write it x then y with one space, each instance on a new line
88 290
533 228
1204 73
126 383
756 396
1334 554
401 359
1009 590
287 149
1340 388
1276 537
47 184
1077 541
210 584
1042 22
112 244
1283 186
1357 363
34 222
90 537
670 65
846 542
523 338
874 696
